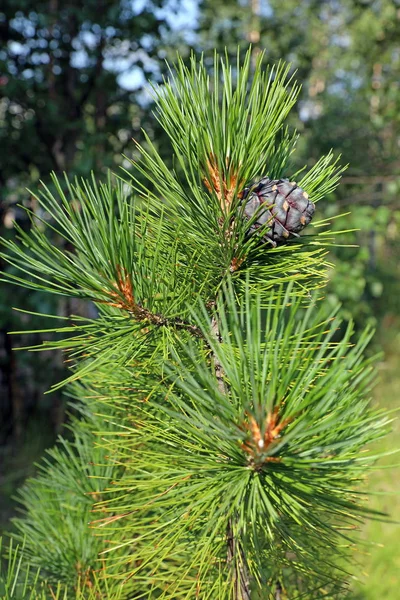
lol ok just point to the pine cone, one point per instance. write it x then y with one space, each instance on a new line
285 208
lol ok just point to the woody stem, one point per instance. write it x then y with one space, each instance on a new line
235 555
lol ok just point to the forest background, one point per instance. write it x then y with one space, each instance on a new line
73 94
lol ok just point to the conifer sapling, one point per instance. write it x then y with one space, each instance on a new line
235 410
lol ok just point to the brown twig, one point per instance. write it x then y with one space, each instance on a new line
124 298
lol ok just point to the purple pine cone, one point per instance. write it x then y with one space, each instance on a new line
281 204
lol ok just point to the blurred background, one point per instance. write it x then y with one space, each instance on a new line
73 94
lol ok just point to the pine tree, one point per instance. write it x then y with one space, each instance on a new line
223 414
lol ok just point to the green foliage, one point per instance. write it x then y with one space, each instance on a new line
231 445
229 129
54 531
276 452
12 584
69 479
27 587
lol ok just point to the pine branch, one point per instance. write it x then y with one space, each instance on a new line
235 555
124 299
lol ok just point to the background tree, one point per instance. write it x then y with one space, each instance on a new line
72 79
72 96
